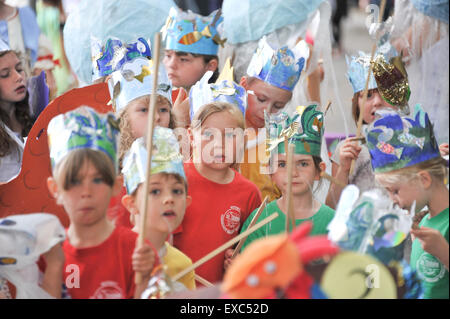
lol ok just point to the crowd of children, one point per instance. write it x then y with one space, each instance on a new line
226 160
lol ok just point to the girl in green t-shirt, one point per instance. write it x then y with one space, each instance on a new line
306 129
417 174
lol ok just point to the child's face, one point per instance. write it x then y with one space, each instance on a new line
266 97
374 102
185 70
216 140
405 193
167 202
138 116
12 78
87 200
304 174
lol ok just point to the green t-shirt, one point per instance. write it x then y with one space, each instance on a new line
433 273
320 221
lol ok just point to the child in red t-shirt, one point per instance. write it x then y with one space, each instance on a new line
100 259
222 198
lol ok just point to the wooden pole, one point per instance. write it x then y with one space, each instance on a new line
150 127
228 244
203 281
253 221
364 100
290 211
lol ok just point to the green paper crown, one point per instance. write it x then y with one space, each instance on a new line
304 130
82 128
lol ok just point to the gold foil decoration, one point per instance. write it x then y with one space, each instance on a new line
287 132
392 81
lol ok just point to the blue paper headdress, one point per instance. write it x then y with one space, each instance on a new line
82 128
223 90
358 66
166 158
134 80
281 67
110 56
193 33
396 141
4 46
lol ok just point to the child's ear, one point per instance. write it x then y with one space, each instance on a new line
130 204
425 179
322 167
212 65
244 82
52 187
188 200
117 187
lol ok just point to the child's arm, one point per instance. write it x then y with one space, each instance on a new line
348 151
180 109
143 261
53 275
433 243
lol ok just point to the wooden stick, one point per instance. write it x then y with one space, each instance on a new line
228 244
203 281
327 108
332 179
290 211
253 221
364 100
150 126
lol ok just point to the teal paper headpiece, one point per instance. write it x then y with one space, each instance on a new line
166 158
134 80
193 33
304 130
82 128
396 141
223 90
281 67
110 56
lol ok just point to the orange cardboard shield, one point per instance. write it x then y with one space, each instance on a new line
28 192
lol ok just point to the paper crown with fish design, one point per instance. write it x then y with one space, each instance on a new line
304 130
83 128
397 141
279 67
223 90
193 33
166 158
134 80
110 56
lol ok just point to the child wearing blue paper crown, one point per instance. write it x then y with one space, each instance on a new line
130 87
377 98
221 197
192 43
269 87
304 130
100 259
168 197
406 161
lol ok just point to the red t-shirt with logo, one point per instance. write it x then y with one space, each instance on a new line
215 216
103 271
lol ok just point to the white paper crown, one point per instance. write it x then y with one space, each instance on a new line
134 80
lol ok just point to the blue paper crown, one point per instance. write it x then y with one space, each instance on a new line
82 128
111 56
193 33
134 80
166 158
358 67
396 141
281 67
223 90
4 46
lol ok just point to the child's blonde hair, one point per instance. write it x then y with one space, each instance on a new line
126 136
436 167
66 172
217 107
